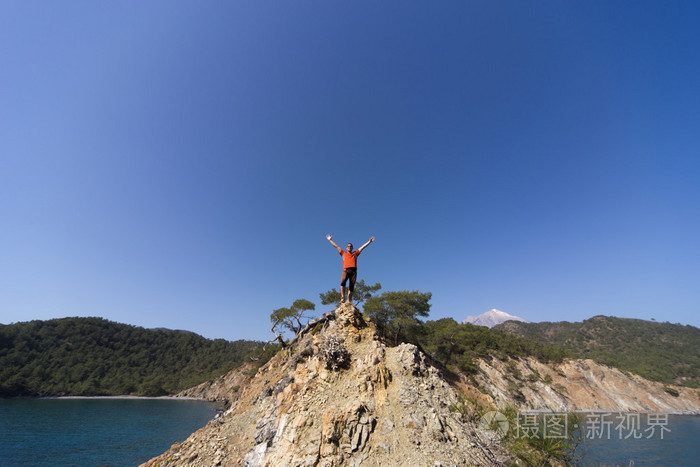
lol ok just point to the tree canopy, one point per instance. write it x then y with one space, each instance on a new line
664 352
395 313
290 318
457 344
94 356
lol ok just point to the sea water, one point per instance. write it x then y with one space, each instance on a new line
127 432
619 439
95 431
640 440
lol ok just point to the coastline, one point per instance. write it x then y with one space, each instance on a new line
119 397
200 399
127 398
685 413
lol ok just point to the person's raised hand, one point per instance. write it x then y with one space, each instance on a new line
371 239
329 237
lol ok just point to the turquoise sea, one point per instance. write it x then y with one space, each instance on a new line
95 432
620 439
638 440
127 432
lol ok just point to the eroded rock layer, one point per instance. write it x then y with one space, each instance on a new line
380 406
580 386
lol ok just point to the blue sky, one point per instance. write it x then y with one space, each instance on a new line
178 164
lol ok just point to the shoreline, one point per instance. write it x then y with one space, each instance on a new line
220 403
598 411
127 398
181 398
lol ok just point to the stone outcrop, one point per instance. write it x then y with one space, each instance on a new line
222 388
339 396
578 386
383 406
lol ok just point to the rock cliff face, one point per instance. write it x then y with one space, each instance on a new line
223 388
338 396
380 406
580 385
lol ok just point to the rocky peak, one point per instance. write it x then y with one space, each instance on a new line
340 396
491 318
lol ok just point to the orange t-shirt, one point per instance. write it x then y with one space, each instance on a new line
350 259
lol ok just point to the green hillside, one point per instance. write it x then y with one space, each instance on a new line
454 344
664 352
94 356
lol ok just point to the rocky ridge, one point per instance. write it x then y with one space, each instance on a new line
221 389
381 406
580 386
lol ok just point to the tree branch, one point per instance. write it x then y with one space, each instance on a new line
325 317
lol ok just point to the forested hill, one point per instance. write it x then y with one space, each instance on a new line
94 356
664 352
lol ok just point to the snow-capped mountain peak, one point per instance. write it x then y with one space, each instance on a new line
491 318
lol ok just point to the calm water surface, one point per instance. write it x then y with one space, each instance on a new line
95 432
127 432
680 445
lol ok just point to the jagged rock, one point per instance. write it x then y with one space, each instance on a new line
264 431
283 383
580 385
388 407
255 457
267 392
222 388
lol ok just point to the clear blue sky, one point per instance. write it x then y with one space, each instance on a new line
178 164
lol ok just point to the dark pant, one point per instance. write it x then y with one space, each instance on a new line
349 273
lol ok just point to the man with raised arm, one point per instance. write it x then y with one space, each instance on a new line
349 266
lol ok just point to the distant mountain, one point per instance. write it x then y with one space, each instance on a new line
664 352
94 356
491 318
